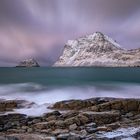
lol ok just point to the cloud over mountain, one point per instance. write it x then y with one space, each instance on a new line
40 28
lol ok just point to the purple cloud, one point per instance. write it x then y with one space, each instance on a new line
40 28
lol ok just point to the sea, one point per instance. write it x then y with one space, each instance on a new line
47 85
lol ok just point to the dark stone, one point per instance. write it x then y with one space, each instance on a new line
74 138
63 136
91 129
54 113
8 138
7 105
12 120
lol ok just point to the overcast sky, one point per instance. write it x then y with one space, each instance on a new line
40 28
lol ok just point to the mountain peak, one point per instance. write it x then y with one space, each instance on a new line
97 42
96 36
97 49
102 40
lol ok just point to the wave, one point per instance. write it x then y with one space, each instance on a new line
42 94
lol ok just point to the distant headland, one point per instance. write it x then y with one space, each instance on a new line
28 63
97 50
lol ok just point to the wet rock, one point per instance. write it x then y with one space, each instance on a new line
78 104
44 125
72 120
54 113
103 128
24 104
40 126
91 125
63 136
71 105
30 137
60 124
137 116
126 120
16 131
12 120
29 130
51 118
83 133
73 127
46 131
83 119
8 138
114 126
86 122
68 136
24 127
74 138
116 105
132 105
59 131
8 105
91 129
124 105
69 114
103 117
36 120
129 115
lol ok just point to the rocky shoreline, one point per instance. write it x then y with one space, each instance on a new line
91 119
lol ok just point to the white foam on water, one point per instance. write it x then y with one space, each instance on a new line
125 132
42 95
37 110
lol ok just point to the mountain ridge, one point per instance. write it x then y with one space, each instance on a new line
98 50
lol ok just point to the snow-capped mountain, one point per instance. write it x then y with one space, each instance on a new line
97 50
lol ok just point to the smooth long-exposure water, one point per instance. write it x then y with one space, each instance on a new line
49 85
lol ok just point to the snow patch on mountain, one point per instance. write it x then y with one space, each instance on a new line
97 50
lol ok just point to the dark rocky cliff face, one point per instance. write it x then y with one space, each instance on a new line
28 63
97 50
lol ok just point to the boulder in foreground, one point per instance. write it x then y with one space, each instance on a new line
90 119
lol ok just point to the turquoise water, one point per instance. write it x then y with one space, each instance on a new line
49 85
69 76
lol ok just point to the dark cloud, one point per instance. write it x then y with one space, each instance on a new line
39 28
13 12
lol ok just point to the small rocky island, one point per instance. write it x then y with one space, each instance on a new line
28 63
91 119
97 49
